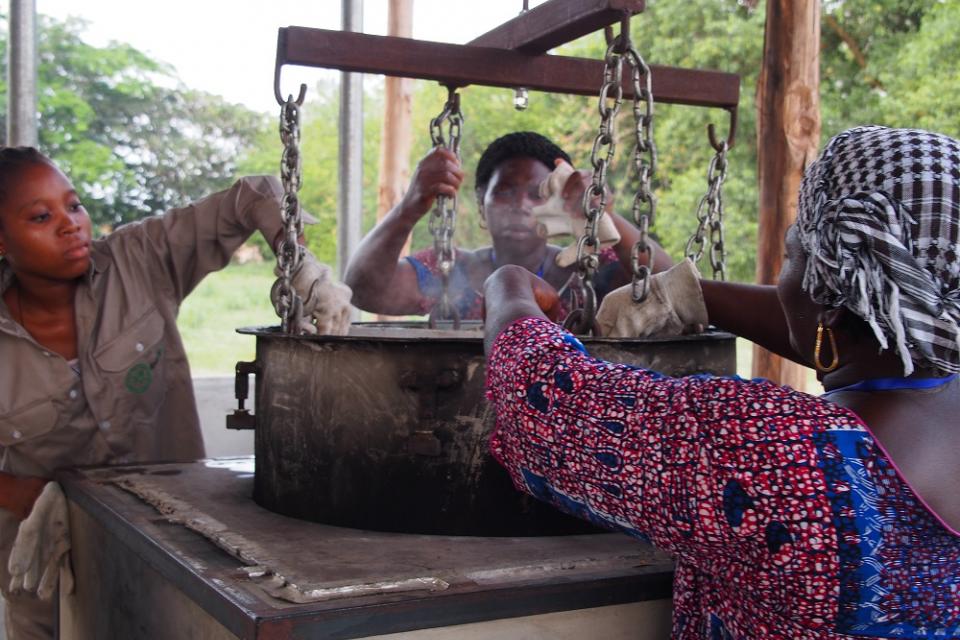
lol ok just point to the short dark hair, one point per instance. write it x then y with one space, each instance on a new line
513 145
12 160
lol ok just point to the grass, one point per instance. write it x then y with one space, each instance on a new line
237 296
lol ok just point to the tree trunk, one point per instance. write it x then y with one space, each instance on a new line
396 138
788 133
396 141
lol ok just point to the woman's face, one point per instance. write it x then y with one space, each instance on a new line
44 229
800 311
511 194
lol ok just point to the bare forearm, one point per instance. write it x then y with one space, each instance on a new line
507 297
372 268
749 311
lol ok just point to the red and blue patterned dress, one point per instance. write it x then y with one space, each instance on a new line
785 516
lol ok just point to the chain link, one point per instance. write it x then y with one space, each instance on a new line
581 320
443 219
621 48
710 217
645 160
289 306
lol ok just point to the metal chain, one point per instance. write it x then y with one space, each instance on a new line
645 160
710 217
289 306
581 320
443 219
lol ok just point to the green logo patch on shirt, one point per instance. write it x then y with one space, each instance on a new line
139 378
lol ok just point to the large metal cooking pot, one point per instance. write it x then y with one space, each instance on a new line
386 428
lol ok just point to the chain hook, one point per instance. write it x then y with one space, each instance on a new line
731 135
277 67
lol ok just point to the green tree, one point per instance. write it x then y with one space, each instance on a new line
132 138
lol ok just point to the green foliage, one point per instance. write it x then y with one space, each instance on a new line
137 142
237 296
134 141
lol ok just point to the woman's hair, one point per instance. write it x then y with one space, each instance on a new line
513 145
879 221
12 160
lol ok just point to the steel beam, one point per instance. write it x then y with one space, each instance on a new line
555 23
22 74
461 65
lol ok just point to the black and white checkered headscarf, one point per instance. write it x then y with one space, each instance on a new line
879 220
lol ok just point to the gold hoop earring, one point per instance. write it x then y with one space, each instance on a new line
822 368
482 221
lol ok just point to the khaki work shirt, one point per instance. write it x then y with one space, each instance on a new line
132 400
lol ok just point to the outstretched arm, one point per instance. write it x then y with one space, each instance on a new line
510 293
381 281
750 311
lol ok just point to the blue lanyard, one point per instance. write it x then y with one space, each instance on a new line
893 384
493 261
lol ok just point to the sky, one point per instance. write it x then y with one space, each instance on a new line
228 47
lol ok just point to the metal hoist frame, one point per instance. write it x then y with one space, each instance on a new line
513 55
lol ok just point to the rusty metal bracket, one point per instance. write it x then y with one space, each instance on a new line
716 143
278 67
241 418
555 23
457 65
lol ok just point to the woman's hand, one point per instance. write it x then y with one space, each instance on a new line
511 293
437 174
20 492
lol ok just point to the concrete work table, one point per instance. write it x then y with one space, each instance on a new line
182 551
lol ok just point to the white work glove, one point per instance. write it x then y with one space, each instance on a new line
40 556
558 216
673 306
326 302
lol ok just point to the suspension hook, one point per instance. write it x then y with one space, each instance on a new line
278 65
712 132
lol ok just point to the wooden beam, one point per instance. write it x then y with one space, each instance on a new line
458 65
555 23
788 134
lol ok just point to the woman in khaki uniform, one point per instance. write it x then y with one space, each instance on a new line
94 370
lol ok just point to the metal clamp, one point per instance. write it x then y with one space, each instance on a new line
241 418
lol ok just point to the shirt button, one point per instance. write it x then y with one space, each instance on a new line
16 434
46 353
73 394
105 425
139 346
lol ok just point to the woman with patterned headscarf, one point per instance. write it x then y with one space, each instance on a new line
790 516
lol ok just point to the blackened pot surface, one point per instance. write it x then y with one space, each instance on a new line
386 429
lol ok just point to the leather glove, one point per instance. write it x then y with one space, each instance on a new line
558 216
673 306
40 557
326 302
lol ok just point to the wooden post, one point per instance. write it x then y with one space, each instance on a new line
788 134
397 138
